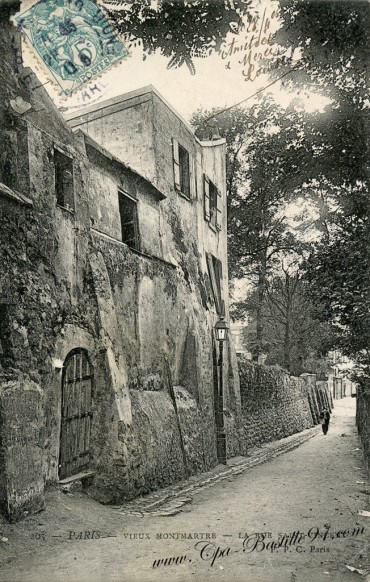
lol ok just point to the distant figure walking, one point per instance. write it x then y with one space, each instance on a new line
325 419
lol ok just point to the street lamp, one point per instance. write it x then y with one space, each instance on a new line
221 336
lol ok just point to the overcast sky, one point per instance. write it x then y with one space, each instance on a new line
213 85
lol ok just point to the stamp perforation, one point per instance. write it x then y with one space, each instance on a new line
72 40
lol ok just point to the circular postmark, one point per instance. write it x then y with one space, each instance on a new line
73 39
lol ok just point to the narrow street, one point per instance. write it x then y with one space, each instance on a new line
311 493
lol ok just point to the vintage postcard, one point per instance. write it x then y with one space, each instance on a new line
184 290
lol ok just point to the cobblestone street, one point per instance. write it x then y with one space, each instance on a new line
308 486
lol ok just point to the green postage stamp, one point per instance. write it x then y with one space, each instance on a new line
74 39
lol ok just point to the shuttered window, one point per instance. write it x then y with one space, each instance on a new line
218 214
129 221
183 170
215 274
212 203
64 184
176 163
207 208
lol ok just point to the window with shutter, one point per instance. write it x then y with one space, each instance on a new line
129 221
64 186
217 267
176 163
193 181
184 162
215 274
213 203
207 213
218 219
182 169
212 206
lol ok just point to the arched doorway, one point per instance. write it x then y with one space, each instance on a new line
76 414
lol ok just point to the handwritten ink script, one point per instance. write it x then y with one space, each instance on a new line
252 48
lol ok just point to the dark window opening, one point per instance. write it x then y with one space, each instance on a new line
129 221
184 171
182 168
14 163
6 171
5 351
212 204
64 187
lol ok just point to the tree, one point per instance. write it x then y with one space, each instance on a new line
296 338
300 337
334 41
262 173
281 299
179 29
339 273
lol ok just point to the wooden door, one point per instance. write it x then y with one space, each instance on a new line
76 414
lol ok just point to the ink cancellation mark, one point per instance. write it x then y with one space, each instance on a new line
74 39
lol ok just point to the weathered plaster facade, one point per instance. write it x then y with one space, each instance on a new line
176 229
113 273
118 336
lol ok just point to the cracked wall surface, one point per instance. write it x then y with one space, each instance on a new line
144 317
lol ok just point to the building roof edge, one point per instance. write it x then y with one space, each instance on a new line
102 105
106 153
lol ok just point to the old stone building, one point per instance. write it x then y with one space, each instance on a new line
113 275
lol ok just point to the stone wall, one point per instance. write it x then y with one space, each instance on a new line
22 446
363 420
168 439
274 404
